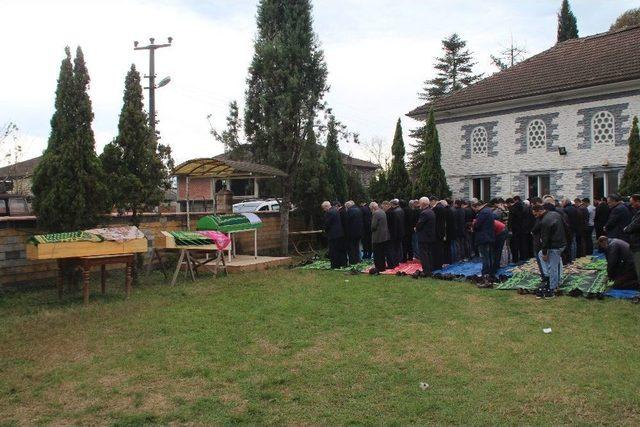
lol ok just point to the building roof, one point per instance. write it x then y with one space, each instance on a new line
346 159
577 63
20 169
220 167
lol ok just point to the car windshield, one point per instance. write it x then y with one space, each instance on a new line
246 207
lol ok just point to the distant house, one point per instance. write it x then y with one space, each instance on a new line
556 123
16 178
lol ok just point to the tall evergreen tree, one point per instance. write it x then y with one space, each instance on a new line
454 70
567 23
398 177
286 84
312 186
335 168
631 180
432 180
134 170
355 189
230 137
68 183
378 186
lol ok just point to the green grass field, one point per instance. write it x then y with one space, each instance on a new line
306 347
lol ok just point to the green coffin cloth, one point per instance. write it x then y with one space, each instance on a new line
73 236
227 223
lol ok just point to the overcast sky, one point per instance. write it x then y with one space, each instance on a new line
378 53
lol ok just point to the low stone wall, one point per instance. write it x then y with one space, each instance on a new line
16 269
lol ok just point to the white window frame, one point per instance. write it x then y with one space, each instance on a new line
613 127
482 188
544 129
482 132
605 175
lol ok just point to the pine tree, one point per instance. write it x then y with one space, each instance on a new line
567 23
132 164
378 186
432 180
230 137
631 180
68 182
398 181
335 168
286 84
455 70
355 189
312 186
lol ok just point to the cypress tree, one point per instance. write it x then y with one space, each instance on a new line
378 186
454 70
432 180
631 180
398 181
335 168
355 189
68 183
286 84
131 161
567 23
311 187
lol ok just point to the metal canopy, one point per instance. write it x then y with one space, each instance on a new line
223 168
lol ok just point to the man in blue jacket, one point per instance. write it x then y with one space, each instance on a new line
335 236
484 236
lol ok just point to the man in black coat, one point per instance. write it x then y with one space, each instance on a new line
366 231
460 224
335 236
409 224
441 232
619 217
620 267
354 231
516 226
633 230
391 255
602 216
574 224
426 232
399 229
450 250
583 218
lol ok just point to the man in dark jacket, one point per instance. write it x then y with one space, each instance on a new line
366 231
451 252
602 216
379 236
619 217
620 267
426 231
553 241
583 220
441 232
633 231
460 224
409 225
574 224
484 236
391 255
335 236
528 221
516 226
354 231
398 230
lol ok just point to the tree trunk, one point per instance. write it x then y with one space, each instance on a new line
284 215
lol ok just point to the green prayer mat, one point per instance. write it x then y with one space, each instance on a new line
190 238
589 282
326 265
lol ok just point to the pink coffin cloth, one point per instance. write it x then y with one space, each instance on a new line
221 240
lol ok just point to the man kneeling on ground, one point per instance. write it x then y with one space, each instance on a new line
620 267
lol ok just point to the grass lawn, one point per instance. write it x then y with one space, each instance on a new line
306 347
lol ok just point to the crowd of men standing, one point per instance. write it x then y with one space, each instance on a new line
442 232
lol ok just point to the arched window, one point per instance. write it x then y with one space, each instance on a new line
602 128
537 134
479 140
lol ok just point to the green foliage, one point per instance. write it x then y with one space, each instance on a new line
311 187
355 189
454 70
398 182
230 137
432 181
567 23
133 166
630 18
68 182
378 189
631 180
335 168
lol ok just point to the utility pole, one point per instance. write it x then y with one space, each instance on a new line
151 47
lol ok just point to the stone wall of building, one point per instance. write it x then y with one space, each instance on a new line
15 268
508 159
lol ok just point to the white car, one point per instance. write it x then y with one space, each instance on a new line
257 206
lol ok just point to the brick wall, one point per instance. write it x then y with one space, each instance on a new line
16 269
199 188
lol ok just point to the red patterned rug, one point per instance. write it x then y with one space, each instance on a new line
409 268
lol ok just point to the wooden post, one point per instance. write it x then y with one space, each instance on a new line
60 278
103 278
188 213
85 283
128 278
